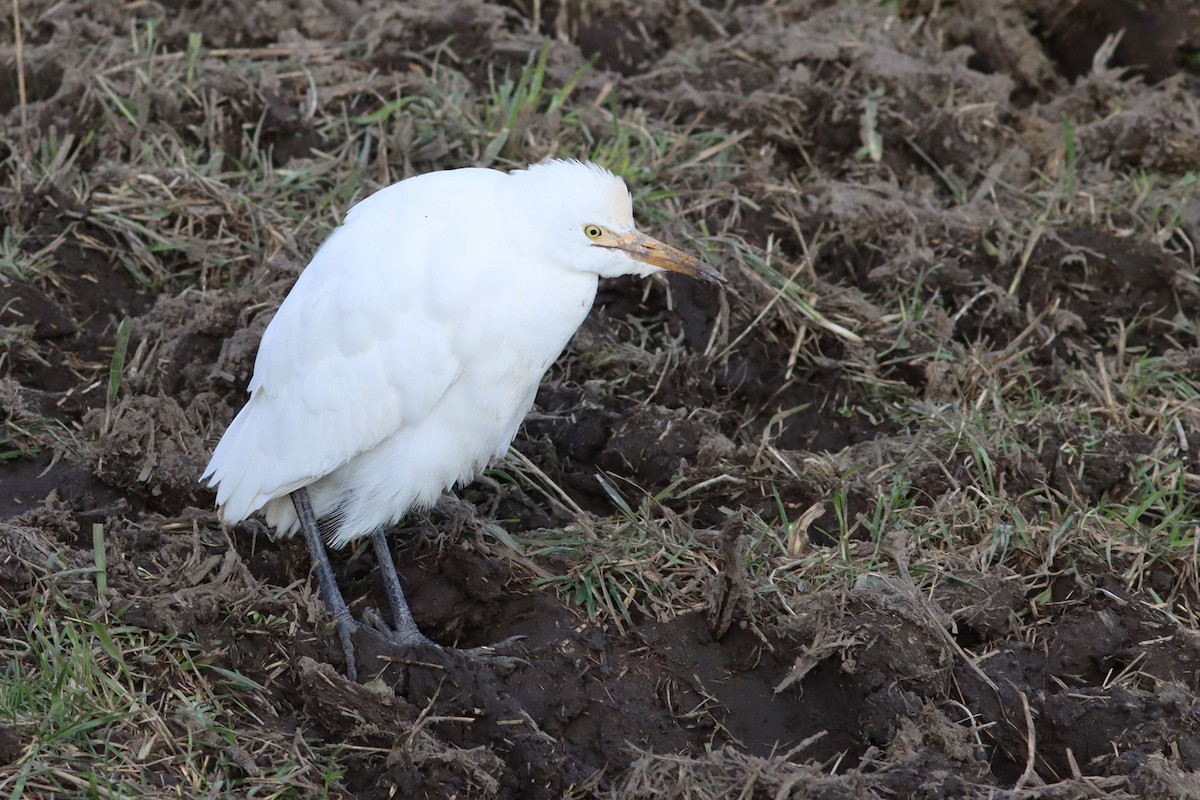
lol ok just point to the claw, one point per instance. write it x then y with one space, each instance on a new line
489 653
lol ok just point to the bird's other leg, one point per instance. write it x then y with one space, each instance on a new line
330 592
405 630
407 633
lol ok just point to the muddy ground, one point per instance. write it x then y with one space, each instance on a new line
909 510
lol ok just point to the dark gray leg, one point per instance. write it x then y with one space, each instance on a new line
406 634
404 627
405 631
330 592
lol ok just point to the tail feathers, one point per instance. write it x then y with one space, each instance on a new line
242 476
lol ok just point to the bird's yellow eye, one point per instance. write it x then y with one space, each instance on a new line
593 231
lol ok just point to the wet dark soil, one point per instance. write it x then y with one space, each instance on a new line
1066 680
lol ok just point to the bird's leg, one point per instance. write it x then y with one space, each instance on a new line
405 630
407 633
329 588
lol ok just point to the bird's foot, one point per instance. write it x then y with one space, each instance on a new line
411 640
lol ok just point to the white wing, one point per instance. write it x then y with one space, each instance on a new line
366 342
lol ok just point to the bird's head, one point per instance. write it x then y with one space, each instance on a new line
587 216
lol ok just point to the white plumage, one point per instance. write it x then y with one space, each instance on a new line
410 349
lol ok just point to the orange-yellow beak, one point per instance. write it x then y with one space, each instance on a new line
651 251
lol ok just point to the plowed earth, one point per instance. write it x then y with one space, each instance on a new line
991 241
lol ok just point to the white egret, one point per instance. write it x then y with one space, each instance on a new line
411 347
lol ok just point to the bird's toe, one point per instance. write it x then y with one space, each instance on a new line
404 639
493 655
